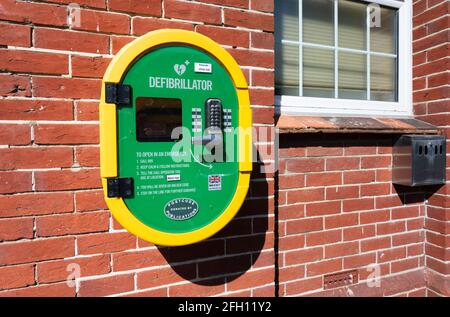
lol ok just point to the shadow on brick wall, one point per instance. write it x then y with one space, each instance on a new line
236 248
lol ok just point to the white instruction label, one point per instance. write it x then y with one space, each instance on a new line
173 178
203 68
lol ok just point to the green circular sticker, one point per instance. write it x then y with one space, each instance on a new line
181 209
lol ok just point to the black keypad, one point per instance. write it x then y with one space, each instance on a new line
213 113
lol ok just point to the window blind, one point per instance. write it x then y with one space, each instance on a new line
359 50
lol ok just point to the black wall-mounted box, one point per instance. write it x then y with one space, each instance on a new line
419 160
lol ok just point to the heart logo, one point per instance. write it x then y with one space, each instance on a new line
179 69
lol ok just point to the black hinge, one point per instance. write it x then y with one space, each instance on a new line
120 187
118 94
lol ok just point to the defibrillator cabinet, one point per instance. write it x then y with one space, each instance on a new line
175 137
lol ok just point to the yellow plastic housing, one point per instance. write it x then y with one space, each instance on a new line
108 134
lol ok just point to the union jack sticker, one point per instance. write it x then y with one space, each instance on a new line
214 182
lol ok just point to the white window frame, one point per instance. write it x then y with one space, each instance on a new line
346 107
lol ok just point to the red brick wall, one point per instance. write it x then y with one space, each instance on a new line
432 104
339 211
52 213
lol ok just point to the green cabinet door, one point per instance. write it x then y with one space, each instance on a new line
176 188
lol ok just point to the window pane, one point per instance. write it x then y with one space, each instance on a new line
318 64
318 73
318 21
286 70
383 32
352 76
352 25
383 79
286 20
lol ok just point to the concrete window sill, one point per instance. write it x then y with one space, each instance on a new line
308 124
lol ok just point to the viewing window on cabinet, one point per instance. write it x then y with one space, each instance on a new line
343 57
